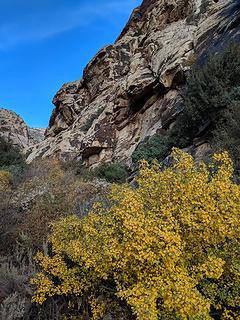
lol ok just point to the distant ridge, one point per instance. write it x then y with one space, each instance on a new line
14 130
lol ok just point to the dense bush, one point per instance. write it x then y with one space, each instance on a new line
12 160
168 248
211 103
156 148
226 134
15 289
112 172
47 193
9 155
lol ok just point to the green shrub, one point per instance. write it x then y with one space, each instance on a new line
156 148
9 155
81 170
112 172
212 88
211 103
226 135
12 160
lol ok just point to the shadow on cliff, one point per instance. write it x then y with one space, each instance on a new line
228 29
218 38
230 19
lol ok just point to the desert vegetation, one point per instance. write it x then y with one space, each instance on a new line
165 259
80 243
111 172
33 196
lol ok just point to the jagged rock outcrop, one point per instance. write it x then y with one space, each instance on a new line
36 135
14 130
132 89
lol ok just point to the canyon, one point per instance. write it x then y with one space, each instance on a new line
132 89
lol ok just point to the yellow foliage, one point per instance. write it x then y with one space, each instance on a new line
230 315
5 179
162 246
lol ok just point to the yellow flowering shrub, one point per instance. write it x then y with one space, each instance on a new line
168 248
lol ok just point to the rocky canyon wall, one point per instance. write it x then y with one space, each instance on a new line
132 89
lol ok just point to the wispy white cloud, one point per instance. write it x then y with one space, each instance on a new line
40 26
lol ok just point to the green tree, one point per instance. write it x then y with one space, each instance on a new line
212 104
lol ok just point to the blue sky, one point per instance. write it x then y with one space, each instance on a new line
45 43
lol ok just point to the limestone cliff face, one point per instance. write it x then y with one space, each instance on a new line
132 89
14 130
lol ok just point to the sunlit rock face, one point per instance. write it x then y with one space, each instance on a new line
36 135
131 89
15 131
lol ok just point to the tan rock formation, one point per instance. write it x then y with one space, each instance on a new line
14 130
131 89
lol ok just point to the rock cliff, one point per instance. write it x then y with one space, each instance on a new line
132 89
14 130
